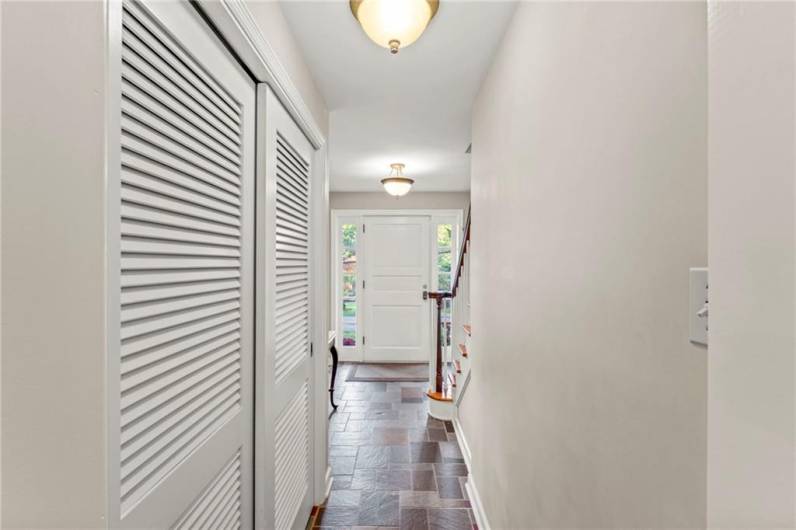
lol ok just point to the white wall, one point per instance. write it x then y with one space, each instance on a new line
751 233
53 248
268 15
587 404
341 200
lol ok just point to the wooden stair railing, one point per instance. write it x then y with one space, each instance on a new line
440 393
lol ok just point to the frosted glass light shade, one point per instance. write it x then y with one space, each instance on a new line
394 24
397 186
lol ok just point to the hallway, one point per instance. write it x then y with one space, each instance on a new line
392 464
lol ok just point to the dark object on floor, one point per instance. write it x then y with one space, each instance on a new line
333 351
401 373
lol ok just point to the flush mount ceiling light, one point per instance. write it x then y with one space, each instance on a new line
394 24
396 184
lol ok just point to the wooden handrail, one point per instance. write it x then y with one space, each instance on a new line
462 252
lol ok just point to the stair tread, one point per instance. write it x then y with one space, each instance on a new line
467 329
463 350
445 395
458 366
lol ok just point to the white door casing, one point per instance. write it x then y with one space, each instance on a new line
180 389
283 432
396 252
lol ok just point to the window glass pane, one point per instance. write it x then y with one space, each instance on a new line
444 280
349 280
349 236
349 323
444 261
349 308
349 285
349 261
444 255
349 337
444 236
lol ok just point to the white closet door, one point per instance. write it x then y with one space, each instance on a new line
284 466
181 399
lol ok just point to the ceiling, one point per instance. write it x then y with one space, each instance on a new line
413 107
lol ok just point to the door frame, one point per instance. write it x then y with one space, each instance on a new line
236 27
357 216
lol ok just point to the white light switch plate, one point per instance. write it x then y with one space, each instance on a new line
698 325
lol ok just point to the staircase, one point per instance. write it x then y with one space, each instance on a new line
451 371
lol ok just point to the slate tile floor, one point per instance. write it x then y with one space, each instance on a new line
393 465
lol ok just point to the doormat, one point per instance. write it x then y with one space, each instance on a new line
401 373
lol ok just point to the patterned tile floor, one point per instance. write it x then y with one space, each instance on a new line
393 465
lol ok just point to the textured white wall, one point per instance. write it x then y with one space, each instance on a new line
341 200
752 344
587 405
53 248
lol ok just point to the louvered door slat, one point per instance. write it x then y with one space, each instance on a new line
134 82
147 175
182 64
155 121
185 263
159 69
292 458
152 291
133 94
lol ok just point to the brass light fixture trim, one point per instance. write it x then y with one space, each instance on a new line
391 38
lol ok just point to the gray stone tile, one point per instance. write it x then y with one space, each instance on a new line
337 516
399 454
358 426
378 508
449 488
390 436
414 519
421 452
437 435
429 499
413 467
342 482
349 438
448 519
342 465
450 450
385 397
344 497
451 470
423 481
381 479
343 450
339 417
418 435
373 457
377 414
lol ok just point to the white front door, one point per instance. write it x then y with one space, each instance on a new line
396 318
283 390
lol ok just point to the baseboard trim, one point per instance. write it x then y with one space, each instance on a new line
328 483
476 505
462 439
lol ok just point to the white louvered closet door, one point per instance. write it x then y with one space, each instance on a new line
284 439
181 380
